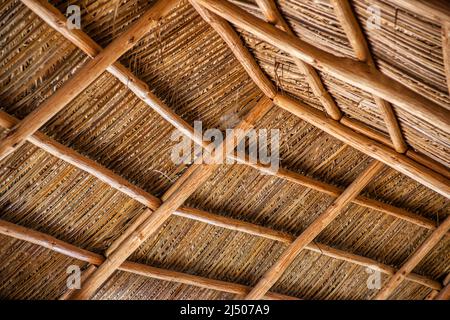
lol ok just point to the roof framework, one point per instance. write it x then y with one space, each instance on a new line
362 74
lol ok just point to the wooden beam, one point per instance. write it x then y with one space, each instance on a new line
120 184
372 148
414 260
84 77
173 202
353 72
360 46
444 294
52 16
69 250
307 236
436 10
446 51
273 15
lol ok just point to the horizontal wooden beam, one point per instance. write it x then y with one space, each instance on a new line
312 231
120 184
69 250
414 260
84 77
348 70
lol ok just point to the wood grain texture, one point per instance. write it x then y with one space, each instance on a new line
54 244
348 70
312 231
413 260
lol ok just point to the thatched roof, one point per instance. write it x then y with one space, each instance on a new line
97 161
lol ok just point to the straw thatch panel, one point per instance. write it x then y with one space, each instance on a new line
189 67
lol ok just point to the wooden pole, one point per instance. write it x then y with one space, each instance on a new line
84 77
359 44
353 72
446 51
173 202
308 235
273 15
55 19
69 250
414 260
444 294
117 182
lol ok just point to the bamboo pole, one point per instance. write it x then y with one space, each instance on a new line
69 250
359 44
312 231
273 15
360 142
173 202
353 72
84 77
117 182
414 260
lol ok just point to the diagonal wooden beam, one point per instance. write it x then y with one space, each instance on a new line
446 51
437 10
117 182
444 294
84 77
273 15
288 256
69 250
192 179
414 260
348 70
55 19
360 46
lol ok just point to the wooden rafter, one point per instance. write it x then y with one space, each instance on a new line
61 247
302 50
191 180
353 72
56 20
360 46
117 182
273 15
288 256
414 260
84 77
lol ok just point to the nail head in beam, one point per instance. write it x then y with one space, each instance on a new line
414 260
56 245
84 77
348 70
311 232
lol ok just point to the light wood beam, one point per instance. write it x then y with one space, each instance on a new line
414 260
84 77
69 250
117 182
194 180
273 15
446 51
56 20
348 70
307 236
360 46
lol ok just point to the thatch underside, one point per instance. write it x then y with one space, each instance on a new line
187 65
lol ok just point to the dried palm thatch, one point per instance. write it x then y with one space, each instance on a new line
86 176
